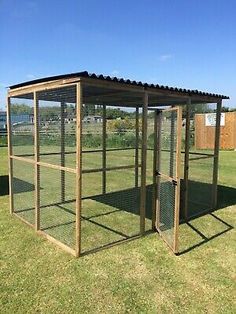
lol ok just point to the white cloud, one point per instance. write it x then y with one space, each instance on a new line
165 57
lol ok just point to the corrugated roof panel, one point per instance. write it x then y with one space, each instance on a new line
118 80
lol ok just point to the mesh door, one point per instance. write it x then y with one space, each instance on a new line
168 176
167 210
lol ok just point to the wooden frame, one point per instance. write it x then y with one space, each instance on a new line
10 163
79 102
146 94
173 179
186 157
36 160
104 150
143 165
177 189
216 155
136 145
63 106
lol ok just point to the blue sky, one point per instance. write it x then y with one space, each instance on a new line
184 43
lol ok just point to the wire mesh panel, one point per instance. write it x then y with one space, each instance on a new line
201 159
23 190
167 210
200 184
168 142
168 172
110 199
57 212
22 125
57 125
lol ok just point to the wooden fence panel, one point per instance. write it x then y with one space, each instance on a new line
205 135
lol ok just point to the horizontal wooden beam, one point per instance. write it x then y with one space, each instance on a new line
43 164
109 168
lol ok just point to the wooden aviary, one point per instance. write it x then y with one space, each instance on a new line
87 181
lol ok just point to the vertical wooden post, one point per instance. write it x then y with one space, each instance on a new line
63 106
158 170
104 149
79 100
10 162
136 145
36 166
186 157
172 143
177 189
143 165
154 180
216 155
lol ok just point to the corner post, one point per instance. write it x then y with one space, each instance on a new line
216 155
136 145
10 163
104 149
63 151
143 164
177 190
156 158
36 165
79 100
186 157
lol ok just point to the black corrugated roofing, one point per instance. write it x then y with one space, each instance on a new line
118 80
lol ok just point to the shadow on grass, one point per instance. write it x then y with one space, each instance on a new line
226 197
4 185
21 186
129 201
206 239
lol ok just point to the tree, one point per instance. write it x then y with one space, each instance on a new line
19 109
121 126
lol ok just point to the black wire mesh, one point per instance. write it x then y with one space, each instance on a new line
57 206
168 143
110 205
167 210
57 126
22 125
23 190
201 160
200 185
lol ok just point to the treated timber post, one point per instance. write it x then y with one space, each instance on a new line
79 99
136 145
216 155
186 157
63 151
177 189
36 160
10 162
172 143
143 165
104 152
158 166
155 168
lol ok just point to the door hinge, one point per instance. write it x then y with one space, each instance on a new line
174 182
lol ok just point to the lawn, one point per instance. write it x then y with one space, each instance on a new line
141 276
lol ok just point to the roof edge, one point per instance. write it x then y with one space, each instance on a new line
116 80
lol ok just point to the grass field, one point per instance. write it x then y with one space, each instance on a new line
141 276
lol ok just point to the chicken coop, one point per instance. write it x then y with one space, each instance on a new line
96 160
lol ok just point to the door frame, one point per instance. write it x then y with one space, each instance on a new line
157 174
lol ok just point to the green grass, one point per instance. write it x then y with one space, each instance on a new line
141 276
